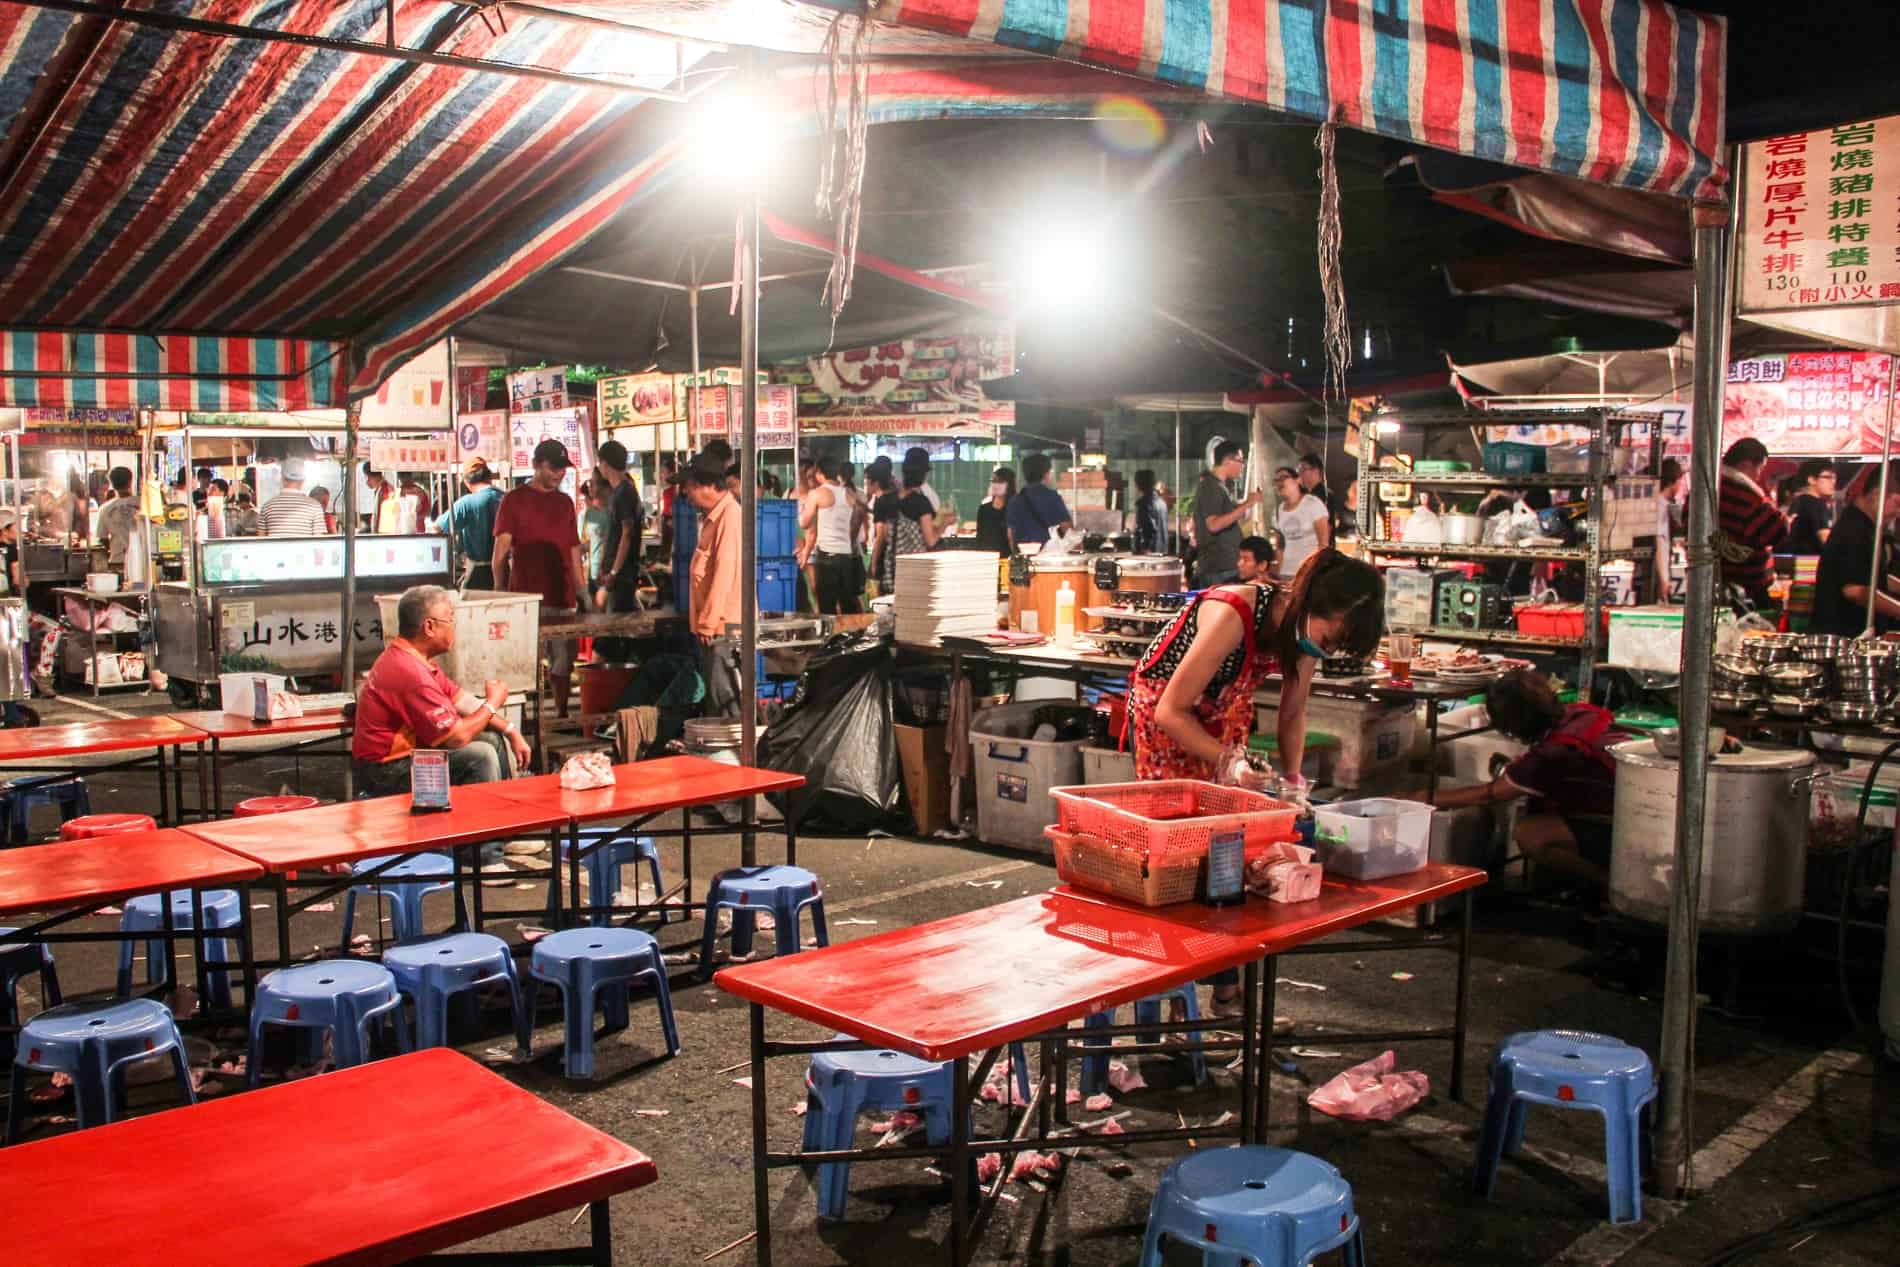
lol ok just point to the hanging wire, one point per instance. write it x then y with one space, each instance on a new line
1337 336
841 178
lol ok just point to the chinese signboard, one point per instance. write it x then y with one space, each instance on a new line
415 396
484 436
569 426
778 415
409 455
1808 402
534 391
1820 218
296 633
640 398
927 384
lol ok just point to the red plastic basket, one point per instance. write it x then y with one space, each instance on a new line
1171 816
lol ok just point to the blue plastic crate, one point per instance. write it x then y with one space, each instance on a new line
778 585
778 528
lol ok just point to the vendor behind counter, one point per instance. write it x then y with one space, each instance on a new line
1847 560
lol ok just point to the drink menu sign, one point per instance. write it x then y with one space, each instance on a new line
778 415
1820 218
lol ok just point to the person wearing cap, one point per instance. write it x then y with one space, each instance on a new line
538 551
472 519
292 512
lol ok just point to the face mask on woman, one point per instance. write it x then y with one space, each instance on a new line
1308 647
997 490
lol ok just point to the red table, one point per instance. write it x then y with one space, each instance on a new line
1027 968
70 880
128 734
219 726
642 791
376 1164
382 827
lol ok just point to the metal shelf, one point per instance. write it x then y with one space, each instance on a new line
1502 637
1558 554
1587 416
1479 479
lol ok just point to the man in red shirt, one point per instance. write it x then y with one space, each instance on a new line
407 702
538 551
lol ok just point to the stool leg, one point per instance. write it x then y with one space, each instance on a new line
709 934
1355 1255
406 912
817 909
91 1090
652 858
577 1008
349 918
184 1073
432 1016
254 1051
1095 1063
518 1008
1151 1243
601 877
742 923
834 1178
1621 1132
785 927
1498 1110
49 978
1019 1064
124 988
663 995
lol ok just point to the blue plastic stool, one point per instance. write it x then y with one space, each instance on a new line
17 959
1570 1069
30 791
433 969
404 885
839 1085
595 967
784 891
222 912
340 995
1270 1206
1147 1012
604 863
92 1043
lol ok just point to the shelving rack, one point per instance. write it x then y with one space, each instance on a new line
1602 425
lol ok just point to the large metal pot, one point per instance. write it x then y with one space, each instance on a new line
1754 837
1461 530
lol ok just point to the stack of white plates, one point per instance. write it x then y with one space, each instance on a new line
945 594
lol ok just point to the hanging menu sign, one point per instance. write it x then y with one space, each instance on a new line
1820 218
532 391
717 415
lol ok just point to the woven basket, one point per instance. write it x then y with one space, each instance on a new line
1168 816
1093 863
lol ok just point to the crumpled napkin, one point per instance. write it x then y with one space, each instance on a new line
586 770
1371 1091
1285 872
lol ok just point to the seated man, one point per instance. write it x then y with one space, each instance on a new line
408 702
1256 559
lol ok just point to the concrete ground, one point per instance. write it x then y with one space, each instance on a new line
1797 1125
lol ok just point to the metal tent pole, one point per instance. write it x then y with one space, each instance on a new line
352 412
693 390
1874 578
447 502
1675 1141
1174 520
749 500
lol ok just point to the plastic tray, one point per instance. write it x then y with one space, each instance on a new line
1171 815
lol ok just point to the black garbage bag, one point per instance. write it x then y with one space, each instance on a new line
837 733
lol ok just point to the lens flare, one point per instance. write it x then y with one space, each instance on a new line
1130 125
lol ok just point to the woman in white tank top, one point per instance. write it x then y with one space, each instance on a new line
835 562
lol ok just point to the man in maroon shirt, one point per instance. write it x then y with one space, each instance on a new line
1752 527
538 551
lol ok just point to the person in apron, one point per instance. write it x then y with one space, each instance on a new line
1190 697
1567 772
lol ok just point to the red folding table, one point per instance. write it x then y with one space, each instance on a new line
1026 969
382 1163
381 827
219 726
68 880
641 792
161 735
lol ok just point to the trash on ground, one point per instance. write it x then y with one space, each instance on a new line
798 1110
747 1239
1124 1079
320 907
1299 985
1034 1165
1372 1091
745 1082
534 932
1401 976
983 884
1100 1102
851 923
1316 1053
988 1166
652 1112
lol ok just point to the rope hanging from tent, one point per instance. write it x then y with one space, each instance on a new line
1338 331
841 183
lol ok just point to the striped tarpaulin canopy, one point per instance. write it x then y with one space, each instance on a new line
1623 92
252 204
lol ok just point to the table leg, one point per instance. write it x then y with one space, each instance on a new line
198 953
1431 749
178 781
961 1163
283 919
1045 1083
247 946
462 923
761 1194
574 872
169 976
1061 1095
686 853
1461 1022
956 775
1263 1058
603 1230
205 811
165 818
1249 1017
217 778
479 900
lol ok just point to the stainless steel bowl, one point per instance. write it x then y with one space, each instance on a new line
1669 740
1853 714
1791 705
1819 646
1795 676
1766 651
1733 701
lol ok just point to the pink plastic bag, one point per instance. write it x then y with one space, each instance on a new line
1371 1092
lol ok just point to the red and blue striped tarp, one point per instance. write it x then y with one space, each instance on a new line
1623 92
203 373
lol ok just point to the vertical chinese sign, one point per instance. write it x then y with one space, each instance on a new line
534 391
1820 219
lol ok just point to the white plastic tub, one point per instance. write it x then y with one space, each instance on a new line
237 690
1369 839
497 635
1014 776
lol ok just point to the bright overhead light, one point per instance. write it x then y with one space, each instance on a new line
731 137
1072 257
1386 426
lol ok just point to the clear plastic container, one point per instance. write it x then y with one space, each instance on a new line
1369 839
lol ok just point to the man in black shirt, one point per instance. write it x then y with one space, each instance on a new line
1847 561
1812 510
1151 516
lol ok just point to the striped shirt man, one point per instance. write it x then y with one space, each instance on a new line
1751 525
293 512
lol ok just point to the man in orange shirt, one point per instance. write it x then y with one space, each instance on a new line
714 582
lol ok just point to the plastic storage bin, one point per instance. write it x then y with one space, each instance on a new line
1372 838
778 528
778 585
497 635
1015 775
1107 765
1172 816
236 690
1375 736
1508 457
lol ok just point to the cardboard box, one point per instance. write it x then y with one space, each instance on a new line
926 767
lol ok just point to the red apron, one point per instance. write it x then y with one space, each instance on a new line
1228 717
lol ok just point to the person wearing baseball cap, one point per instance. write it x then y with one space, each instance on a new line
538 551
292 512
472 519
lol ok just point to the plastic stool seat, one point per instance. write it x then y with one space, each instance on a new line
22 795
259 806
783 891
18 959
1271 1206
596 968
90 825
91 1043
603 866
1147 1012
223 911
433 969
840 1085
403 886
340 995
1571 1069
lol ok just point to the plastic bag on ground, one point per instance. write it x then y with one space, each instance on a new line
1371 1091
837 733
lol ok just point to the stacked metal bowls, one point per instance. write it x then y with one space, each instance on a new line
1863 681
1796 688
1736 685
